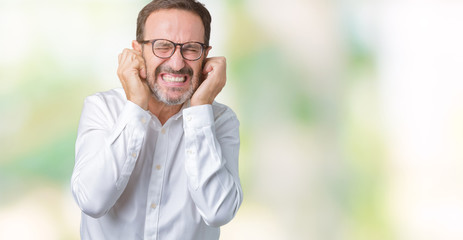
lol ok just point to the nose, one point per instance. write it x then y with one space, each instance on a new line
176 60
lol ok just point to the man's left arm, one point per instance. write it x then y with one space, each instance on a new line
212 150
212 145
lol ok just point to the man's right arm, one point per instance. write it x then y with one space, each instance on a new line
110 136
108 143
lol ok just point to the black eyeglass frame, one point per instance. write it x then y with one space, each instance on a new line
152 41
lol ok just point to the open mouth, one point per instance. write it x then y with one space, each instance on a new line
174 79
170 78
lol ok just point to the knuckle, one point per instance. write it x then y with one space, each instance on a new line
119 70
222 60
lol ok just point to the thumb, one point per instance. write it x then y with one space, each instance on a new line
207 67
143 72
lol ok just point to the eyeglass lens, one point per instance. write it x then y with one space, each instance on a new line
165 49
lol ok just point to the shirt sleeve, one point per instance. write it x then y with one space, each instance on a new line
107 147
212 150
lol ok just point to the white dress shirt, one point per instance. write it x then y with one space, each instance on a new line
137 179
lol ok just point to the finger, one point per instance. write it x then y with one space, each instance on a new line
137 61
133 59
125 59
208 66
143 73
141 66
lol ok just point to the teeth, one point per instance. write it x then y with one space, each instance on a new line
169 78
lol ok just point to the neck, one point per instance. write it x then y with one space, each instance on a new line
163 111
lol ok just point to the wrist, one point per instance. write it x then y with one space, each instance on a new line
196 101
140 102
199 103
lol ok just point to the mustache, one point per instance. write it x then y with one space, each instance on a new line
163 68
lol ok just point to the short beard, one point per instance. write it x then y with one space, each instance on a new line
163 97
157 93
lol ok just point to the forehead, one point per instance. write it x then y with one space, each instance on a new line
174 24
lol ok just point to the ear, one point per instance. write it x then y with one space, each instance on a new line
206 52
136 46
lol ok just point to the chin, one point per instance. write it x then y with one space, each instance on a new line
163 96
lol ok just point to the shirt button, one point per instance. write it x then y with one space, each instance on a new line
188 118
134 154
158 167
143 120
163 131
153 206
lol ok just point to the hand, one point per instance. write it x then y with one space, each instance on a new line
216 77
132 74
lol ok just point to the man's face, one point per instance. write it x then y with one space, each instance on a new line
173 80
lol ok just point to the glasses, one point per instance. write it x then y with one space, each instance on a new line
163 48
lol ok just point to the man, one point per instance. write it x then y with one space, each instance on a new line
158 159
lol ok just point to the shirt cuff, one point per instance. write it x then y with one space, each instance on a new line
135 110
132 116
198 116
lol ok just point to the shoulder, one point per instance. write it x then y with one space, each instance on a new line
114 96
112 101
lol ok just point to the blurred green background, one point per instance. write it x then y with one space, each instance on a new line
351 113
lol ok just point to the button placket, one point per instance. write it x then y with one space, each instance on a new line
157 179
